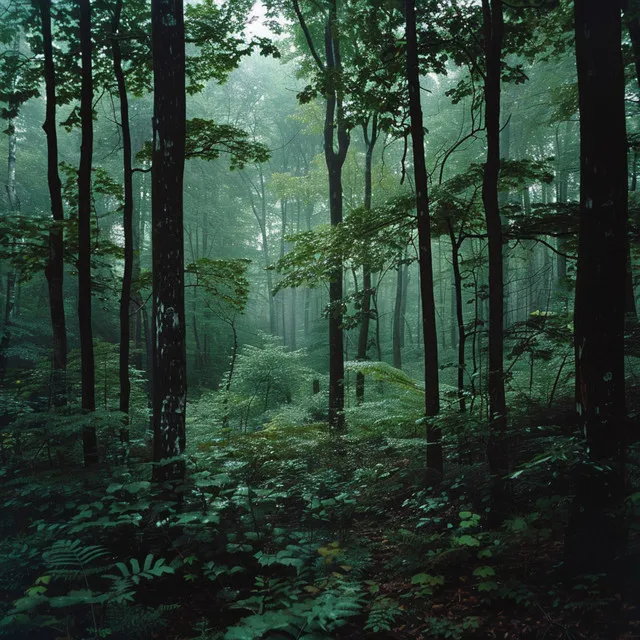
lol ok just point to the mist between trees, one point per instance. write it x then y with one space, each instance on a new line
326 311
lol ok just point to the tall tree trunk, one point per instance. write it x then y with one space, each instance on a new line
397 319
429 330
503 201
602 250
335 123
169 345
14 207
54 270
496 446
462 334
594 538
363 334
405 296
127 222
87 365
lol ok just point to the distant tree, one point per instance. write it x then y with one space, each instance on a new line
168 337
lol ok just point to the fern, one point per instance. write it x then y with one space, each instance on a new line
383 613
131 575
384 372
69 558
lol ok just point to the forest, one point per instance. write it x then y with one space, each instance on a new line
318 319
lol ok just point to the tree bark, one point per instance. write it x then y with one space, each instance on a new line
127 222
363 334
429 330
462 334
168 343
87 365
602 249
496 445
14 207
335 126
397 318
54 270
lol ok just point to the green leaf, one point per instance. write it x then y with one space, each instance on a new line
468 541
484 571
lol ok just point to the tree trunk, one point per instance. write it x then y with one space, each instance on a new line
429 330
335 122
168 325
594 538
54 270
602 250
363 334
462 334
397 318
496 446
14 207
87 365
127 223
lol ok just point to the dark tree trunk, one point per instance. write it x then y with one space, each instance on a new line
403 303
87 366
462 334
127 223
168 344
335 123
602 250
54 270
363 334
432 394
397 318
594 538
14 207
496 446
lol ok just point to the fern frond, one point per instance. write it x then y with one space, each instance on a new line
66 557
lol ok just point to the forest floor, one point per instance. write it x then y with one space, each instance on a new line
299 533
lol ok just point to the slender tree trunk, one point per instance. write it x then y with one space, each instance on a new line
462 334
169 344
397 319
432 393
127 223
54 270
335 123
14 207
496 446
403 302
363 335
137 302
87 364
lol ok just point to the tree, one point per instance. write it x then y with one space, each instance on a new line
594 537
335 129
127 216
432 392
89 441
54 270
600 297
493 21
168 333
